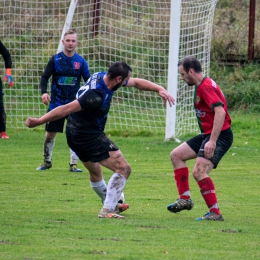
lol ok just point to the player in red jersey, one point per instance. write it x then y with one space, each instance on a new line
208 147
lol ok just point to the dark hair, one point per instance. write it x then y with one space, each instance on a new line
118 69
190 62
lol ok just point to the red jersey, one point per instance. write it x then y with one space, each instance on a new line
207 96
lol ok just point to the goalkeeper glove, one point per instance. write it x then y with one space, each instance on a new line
8 77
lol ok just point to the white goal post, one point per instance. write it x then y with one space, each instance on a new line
190 34
138 32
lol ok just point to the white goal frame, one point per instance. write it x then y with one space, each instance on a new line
150 35
193 20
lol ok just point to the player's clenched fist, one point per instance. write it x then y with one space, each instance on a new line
32 122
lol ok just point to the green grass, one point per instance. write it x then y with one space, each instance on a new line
53 214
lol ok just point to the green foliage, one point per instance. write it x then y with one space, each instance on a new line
240 85
53 214
231 29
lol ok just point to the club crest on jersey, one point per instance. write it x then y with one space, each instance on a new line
197 99
76 65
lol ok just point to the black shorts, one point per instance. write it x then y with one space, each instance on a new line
56 126
90 147
223 143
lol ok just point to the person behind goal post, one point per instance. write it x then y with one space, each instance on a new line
7 77
66 68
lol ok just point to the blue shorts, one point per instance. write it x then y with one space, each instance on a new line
223 143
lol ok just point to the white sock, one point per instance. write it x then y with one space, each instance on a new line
73 157
115 187
215 206
100 188
122 198
186 193
48 148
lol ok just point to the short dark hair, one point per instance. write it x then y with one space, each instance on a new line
118 69
190 62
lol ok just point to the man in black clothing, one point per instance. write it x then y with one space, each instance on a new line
8 77
85 131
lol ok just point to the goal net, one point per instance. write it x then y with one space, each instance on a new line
136 32
194 39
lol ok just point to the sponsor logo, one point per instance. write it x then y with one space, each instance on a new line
200 113
209 192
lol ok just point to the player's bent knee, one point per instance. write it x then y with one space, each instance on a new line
200 172
174 156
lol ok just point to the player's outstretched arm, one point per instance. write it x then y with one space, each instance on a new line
144 84
57 113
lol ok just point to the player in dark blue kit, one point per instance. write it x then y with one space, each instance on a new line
66 68
85 131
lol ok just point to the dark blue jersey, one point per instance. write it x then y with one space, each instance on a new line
66 75
94 98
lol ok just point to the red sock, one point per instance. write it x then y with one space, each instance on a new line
208 192
182 181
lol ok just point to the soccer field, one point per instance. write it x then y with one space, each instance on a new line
53 214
